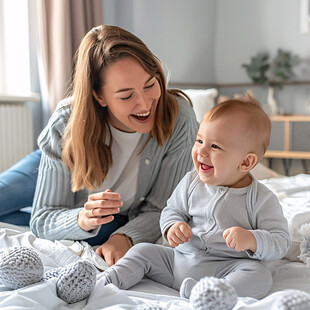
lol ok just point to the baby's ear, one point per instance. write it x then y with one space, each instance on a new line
248 162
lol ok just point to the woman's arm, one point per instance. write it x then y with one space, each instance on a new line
55 206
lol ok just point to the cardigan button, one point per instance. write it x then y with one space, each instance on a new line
142 198
147 161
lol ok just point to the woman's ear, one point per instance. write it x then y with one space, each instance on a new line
248 162
99 99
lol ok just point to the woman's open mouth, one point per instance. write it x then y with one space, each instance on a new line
141 116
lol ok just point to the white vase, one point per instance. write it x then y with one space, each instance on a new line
271 101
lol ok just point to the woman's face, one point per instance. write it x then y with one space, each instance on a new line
131 96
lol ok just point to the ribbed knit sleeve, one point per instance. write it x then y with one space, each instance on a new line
55 206
161 169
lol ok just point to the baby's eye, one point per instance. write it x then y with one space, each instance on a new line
214 146
126 98
199 141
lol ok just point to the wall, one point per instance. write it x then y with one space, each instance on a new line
179 32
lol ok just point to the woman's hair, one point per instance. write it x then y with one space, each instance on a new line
85 150
251 114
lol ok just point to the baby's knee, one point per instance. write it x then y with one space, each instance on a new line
141 249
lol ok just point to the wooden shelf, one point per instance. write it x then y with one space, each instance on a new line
290 139
287 154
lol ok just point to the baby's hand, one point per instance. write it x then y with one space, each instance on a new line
179 233
240 239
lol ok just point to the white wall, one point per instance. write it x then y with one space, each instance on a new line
179 32
245 27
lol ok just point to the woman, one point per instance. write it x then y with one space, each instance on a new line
113 151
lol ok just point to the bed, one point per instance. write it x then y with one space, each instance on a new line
292 272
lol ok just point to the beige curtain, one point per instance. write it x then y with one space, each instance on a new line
62 25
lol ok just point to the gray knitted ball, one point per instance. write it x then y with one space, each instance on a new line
76 281
20 266
52 273
213 293
293 300
149 306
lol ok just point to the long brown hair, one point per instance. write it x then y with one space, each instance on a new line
84 148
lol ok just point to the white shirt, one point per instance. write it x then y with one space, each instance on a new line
123 174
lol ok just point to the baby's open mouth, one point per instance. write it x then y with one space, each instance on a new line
205 167
141 116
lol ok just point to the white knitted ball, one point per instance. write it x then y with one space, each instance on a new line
213 293
76 281
293 300
19 267
149 306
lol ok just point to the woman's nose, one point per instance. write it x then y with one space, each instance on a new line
144 102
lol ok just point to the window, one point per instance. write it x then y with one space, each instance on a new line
14 48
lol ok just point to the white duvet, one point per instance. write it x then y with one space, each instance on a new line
294 195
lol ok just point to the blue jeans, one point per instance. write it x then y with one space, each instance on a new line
107 229
17 187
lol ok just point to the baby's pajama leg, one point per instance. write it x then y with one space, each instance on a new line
144 259
250 278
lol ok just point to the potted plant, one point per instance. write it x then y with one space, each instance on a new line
272 73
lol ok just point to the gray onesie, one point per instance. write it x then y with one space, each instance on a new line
209 210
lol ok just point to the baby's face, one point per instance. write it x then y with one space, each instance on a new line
219 150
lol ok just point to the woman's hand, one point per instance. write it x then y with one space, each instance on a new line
179 233
240 239
98 209
114 249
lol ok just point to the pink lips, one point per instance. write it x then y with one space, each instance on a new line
205 168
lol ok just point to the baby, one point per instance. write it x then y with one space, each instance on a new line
220 221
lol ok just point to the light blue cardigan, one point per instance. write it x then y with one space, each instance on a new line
56 207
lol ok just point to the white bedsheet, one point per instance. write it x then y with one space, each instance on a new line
286 275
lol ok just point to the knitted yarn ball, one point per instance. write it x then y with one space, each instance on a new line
52 273
293 300
213 293
20 266
76 281
149 306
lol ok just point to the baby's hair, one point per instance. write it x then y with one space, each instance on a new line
258 123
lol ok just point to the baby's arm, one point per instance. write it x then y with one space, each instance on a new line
178 233
240 239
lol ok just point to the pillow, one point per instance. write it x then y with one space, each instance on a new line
203 100
260 172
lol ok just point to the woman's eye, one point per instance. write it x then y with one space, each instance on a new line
150 86
126 98
214 146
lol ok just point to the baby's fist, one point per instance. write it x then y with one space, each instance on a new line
179 233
